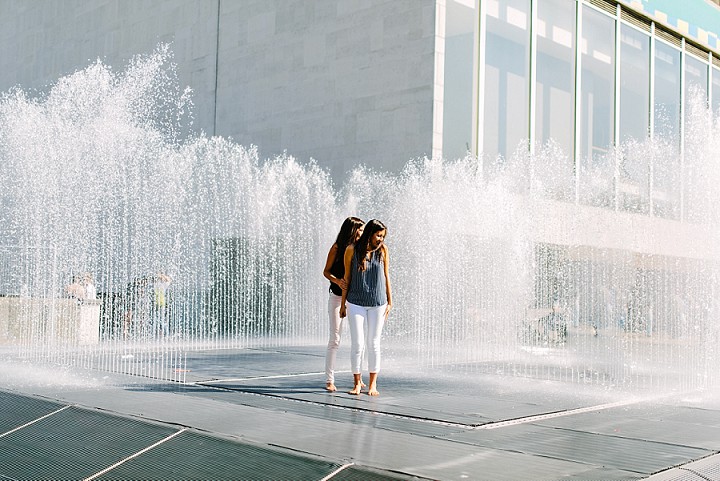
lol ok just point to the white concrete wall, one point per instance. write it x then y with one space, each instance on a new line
42 40
345 82
566 224
25 320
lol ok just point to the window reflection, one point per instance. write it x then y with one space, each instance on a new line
505 120
555 86
634 163
575 97
696 75
666 164
460 22
716 91
695 133
597 108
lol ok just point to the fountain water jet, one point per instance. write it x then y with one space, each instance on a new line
494 266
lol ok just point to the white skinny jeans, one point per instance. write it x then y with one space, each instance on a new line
375 318
334 339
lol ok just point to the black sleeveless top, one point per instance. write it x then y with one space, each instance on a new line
338 270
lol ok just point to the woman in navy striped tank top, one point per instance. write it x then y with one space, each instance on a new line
367 299
334 271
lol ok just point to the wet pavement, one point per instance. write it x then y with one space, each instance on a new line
263 414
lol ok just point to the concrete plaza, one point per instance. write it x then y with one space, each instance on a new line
263 414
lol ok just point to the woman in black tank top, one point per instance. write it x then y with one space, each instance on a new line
334 271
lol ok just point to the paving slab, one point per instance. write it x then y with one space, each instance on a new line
673 425
637 455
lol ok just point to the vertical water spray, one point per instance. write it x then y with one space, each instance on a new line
195 242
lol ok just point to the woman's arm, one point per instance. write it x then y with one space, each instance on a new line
388 289
348 276
328 264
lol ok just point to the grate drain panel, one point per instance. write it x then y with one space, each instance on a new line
192 455
17 410
363 473
74 444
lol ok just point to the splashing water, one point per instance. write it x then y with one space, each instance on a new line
492 268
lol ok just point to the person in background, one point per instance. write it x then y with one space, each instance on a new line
160 301
334 271
368 296
89 286
136 308
76 289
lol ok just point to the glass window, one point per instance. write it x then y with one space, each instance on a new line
555 71
695 103
597 108
716 91
460 22
696 77
634 170
666 141
634 84
507 50
555 85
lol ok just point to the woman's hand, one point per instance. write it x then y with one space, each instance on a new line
387 310
341 283
343 311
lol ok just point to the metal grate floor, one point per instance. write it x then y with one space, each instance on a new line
42 440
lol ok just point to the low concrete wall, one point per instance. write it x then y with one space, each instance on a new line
38 320
568 224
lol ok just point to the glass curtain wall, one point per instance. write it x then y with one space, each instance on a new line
609 103
597 108
715 90
555 96
666 135
506 97
459 84
696 94
634 162
696 78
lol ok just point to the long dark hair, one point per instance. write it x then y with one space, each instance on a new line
345 237
361 248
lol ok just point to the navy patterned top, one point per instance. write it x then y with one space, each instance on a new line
367 288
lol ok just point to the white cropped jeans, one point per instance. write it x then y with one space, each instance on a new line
374 317
335 326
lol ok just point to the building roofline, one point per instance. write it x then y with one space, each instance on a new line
711 43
